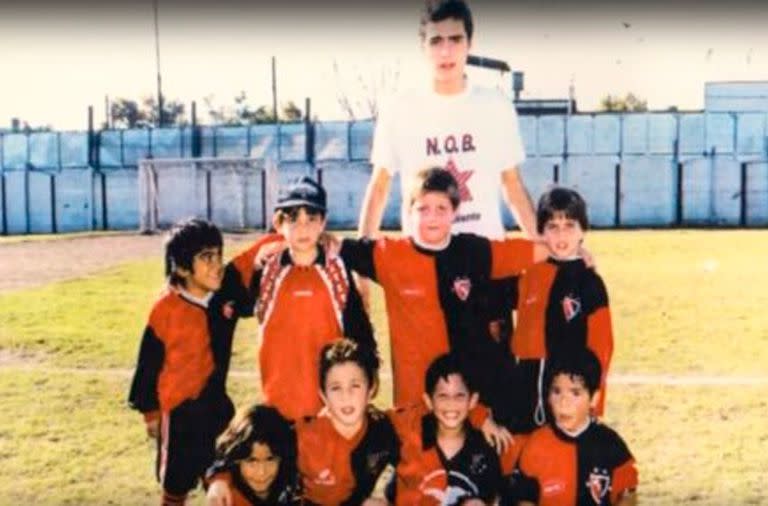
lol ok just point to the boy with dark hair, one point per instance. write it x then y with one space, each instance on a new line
574 459
435 285
303 298
562 306
443 459
180 379
470 130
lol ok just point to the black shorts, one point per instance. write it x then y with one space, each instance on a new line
187 442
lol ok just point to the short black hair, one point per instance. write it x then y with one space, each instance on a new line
579 363
436 179
559 199
438 10
291 213
186 239
346 350
442 367
265 425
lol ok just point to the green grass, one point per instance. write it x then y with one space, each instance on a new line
683 303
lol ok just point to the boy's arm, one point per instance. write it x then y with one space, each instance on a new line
143 393
358 255
511 256
518 201
357 324
600 334
374 203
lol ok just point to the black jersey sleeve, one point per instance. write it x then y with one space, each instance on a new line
358 255
595 293
357 324
143 394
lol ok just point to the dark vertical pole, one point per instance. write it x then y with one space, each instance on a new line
556 173
26 199
349 140
679 195
122 148
58 149
208 198
215 142
2 202
104 214
274 90
91 139
54 225
309 133
157 61
743 210
195 132
107 112
264 198
617 198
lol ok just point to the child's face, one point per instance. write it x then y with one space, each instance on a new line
446 47
432 216
571 402
346 394
301 230
260 469
563 236
207 272
451 402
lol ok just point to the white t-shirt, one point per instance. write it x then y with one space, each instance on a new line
473 134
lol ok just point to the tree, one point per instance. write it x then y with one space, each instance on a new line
365 101
628 103
241 113
128 113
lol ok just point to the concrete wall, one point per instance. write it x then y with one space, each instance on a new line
626 165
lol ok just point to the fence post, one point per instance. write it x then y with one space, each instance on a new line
617 199
556 173
743 209
104 214
2 202
679 195
54 225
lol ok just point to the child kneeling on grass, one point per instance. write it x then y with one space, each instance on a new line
180 380
342 452
574 460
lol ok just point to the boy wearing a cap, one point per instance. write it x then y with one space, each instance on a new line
302 297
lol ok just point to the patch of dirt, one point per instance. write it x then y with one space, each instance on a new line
20 358
36 263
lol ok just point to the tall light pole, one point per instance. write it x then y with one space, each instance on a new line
157 64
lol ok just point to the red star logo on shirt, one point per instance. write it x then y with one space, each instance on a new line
461 176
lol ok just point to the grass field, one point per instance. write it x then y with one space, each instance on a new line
687 304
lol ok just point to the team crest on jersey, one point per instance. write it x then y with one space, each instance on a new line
462 287
571 307
598 483
325 477
447 489
228 310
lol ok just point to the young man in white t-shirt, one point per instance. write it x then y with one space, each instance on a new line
471 131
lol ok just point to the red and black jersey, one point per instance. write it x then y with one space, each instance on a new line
425 476
301 309
561 305
437 301
339 471
593 468
185 348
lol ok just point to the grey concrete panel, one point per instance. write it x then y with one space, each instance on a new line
293 142
110 145
698 197
361 133
607 134
345 183
391 218
254 215
263 141
331 140
662 132
634 134
181 199
16 201
40 212
228 206
757 194
727 186
551 134
528 126
746 104
123 199
15 151
232 142
208 148
751 135
74 201
720 132
135 146
537 174
74 149
692 133
44 150
580 134
647 190
594 178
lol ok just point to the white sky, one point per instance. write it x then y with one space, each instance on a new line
55 61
